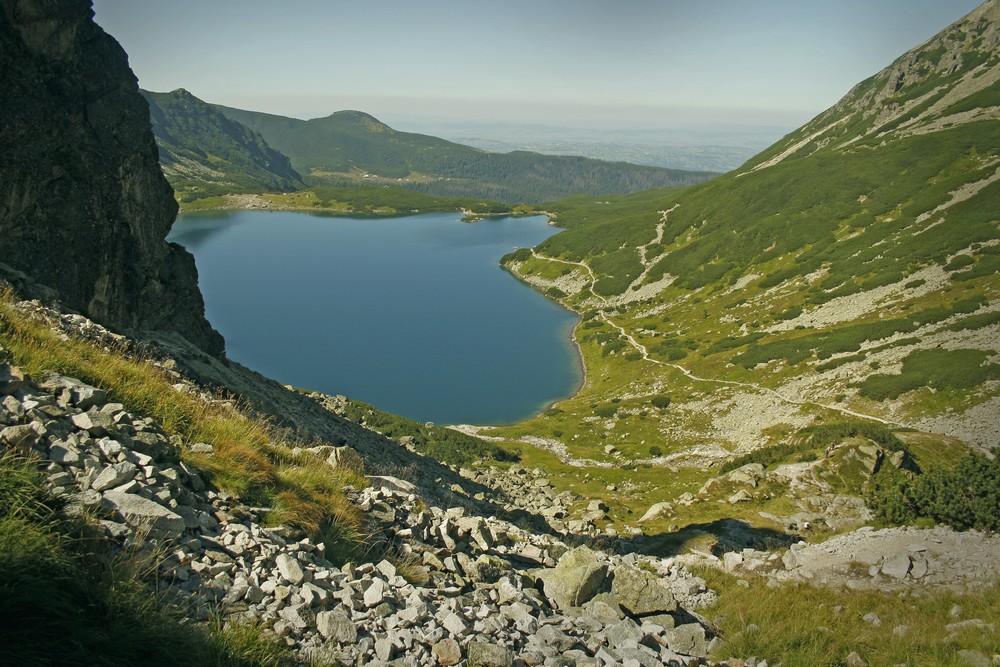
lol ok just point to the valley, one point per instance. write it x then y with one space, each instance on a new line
333 440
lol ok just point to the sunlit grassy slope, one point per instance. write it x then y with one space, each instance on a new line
851 269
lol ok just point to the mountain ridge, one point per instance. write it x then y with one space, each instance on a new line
203 151
339 146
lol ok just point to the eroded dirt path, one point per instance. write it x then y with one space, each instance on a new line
641 349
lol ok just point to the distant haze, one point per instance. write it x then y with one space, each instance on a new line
628 66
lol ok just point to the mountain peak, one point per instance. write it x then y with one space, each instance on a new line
366 120
949 80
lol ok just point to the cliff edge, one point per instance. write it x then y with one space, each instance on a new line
84 207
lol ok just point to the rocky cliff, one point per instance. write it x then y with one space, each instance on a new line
84 207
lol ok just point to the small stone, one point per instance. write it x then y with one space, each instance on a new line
383 649
731 560
623 633
872 617
290 569
855 660
552 636
897 566
114 475
387 569
487 654
447 652
375 594
64 454
454 624
974 658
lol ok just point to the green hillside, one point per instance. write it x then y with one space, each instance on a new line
351 147
203 153
853 268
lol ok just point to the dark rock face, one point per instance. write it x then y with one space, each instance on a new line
84 207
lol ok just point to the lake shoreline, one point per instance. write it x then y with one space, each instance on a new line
257 202
519 358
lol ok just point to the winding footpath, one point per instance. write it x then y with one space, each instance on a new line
561 451
641 349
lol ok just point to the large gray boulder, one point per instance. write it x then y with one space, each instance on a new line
575 579
688 639
640 593
142 513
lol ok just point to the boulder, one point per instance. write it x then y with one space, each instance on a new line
115 475
854 659
487 654
12 379
640 593
574 580
896 566
72 391
290 569
139 512
657 511
688 639
20 438
740 496
446 652
973 658
392 484
346 457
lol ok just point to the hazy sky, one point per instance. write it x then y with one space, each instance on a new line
599 63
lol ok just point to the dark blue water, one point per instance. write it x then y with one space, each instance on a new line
413 314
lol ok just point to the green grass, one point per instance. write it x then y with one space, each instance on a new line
438 442
937 369
813 626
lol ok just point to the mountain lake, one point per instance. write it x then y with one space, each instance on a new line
411 314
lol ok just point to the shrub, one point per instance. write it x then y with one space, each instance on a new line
966 496
813 438
661 401
655 451
605 411
939 369
959 262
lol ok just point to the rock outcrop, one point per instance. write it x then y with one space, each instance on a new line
84 207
